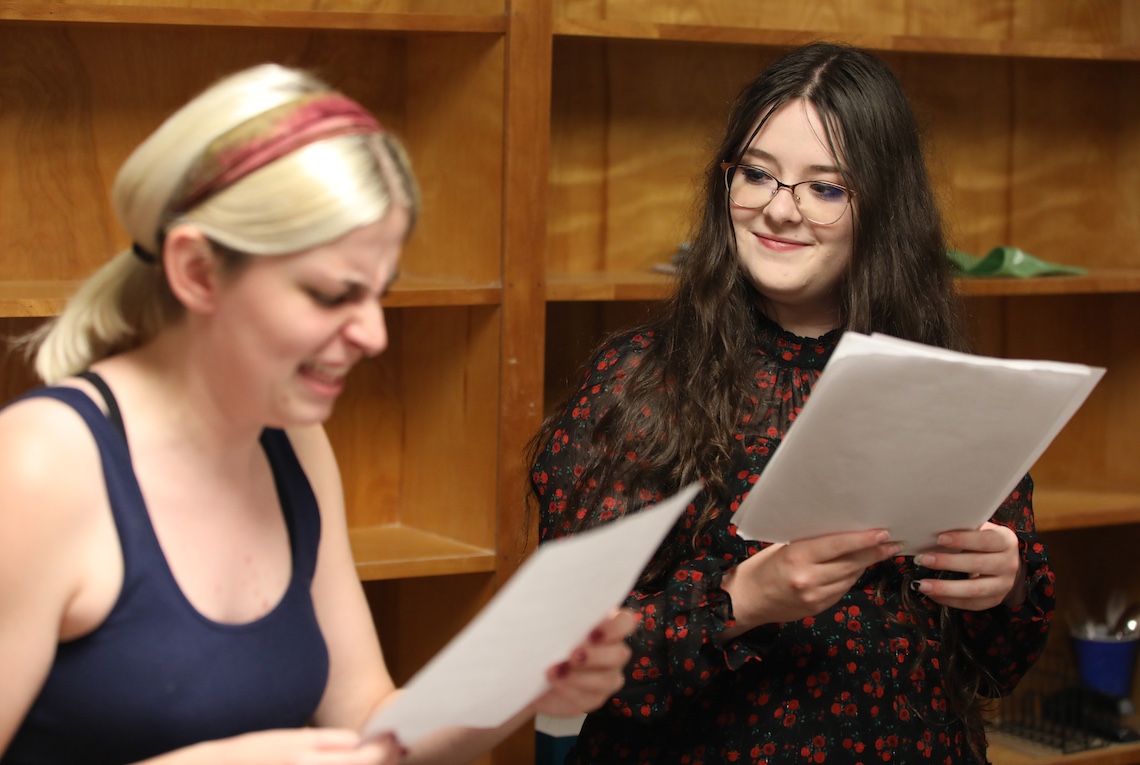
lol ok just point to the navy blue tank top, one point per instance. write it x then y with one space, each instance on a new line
157 675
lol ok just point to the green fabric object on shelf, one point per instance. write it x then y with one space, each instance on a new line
1009 261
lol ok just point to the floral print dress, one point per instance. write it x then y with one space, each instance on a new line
839 687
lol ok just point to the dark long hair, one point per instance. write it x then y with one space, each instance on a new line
698 371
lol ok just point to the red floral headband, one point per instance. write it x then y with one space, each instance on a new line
270 136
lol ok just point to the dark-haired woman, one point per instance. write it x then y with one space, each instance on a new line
818 219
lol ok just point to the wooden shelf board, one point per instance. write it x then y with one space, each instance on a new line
624 285
1007 750
1056 509
395 551
34 298
1102 280
639 30
414 291
96 13
46 298
648 285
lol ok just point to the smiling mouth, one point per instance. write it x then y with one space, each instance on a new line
780 243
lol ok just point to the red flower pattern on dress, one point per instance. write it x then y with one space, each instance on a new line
840 687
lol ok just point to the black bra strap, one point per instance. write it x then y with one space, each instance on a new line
113 413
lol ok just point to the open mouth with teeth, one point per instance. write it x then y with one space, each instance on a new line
332 376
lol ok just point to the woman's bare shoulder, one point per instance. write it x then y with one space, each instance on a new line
49 526
49 467
38 434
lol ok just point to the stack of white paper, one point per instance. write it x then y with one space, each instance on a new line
497 664
895 435
910 438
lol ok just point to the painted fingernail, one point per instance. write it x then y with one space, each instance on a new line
916 585
597 634
563 669
920 560
882 536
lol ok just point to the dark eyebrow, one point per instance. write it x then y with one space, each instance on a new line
357 289
354 290
763 156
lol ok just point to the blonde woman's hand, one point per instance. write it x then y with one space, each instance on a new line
594 671
991 560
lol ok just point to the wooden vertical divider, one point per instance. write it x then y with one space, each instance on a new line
527 150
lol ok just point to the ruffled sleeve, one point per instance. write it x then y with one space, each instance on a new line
676 654
1008 640
683 610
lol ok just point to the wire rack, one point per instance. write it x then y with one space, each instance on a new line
1050 710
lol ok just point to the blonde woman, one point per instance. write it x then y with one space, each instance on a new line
176 584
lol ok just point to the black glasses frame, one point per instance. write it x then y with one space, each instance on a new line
730 167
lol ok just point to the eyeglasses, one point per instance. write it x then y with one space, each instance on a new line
753 188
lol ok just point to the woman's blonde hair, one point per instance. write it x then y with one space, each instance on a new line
308 196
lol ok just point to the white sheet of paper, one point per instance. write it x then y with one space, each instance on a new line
497 665
911 438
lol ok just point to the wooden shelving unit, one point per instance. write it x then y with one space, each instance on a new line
557 142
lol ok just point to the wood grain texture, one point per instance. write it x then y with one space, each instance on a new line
573 330
16 374
408 418
76 100
1073 191
54 222
1097 449
1110 22
1097 280
967 139
1092 21
633 126
220 12
525 221
1118 754
527 150
453 125
419 616
395 551
1061 509
37 297
578 174
826 15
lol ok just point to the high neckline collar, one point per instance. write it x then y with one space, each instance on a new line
791 349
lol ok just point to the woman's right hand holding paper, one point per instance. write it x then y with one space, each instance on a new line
787 582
